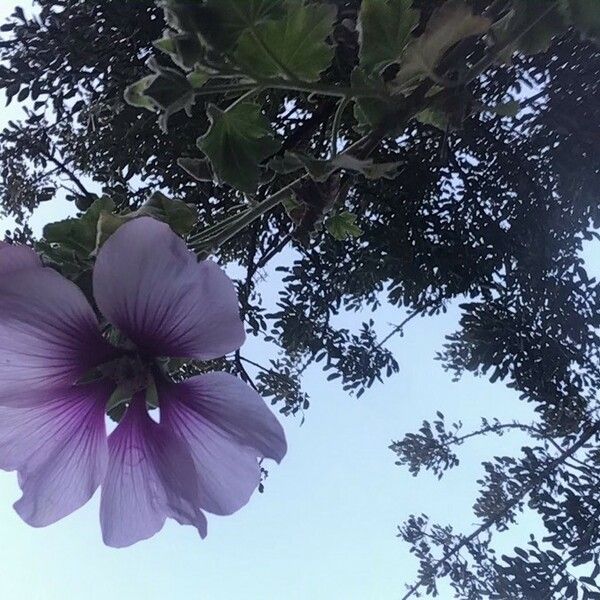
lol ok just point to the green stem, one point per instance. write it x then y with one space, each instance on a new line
322 89
204 239
212 229
247 96
335 126
209 90
251 215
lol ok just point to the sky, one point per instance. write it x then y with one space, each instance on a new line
325 527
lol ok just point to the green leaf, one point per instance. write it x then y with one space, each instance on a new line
448 25
294 209
79 234
135 93
585 15
165 44
539 37
369 112
384 29
198 77
167 87
121 395
152 394
236 143
434 117
170 91
294 46
343 226
219 23
184 15
184 49
117 413
175 213
107 224
180 217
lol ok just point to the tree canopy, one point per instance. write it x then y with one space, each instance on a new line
427 153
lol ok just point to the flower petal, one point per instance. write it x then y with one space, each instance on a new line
59 449
151 287
151 476
227 427
14 257
49 336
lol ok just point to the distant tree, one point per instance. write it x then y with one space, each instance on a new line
472 177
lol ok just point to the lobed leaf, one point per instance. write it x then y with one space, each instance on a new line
448 25
294 46
219 23
236 143
343 226
384 30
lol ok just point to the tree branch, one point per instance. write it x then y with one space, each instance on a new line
399 327
495 429
588 433
64 169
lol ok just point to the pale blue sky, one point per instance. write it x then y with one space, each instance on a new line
326 526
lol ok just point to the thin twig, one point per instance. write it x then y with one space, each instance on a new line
245 375
399 327
498 428
274 251
64 169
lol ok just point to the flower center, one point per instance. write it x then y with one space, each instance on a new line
130 371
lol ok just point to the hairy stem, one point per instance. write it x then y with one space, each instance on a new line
252 214
335 126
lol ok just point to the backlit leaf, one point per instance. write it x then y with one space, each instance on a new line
586 17
79 234
449 24
384 28
369 111
219 23
536 38
236 143
294 46
343 226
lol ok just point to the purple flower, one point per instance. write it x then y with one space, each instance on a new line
203 453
